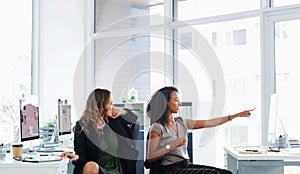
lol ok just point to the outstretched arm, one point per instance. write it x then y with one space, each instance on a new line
197 124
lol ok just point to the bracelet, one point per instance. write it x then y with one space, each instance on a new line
229 117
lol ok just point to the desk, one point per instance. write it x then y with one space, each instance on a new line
11 166
267 163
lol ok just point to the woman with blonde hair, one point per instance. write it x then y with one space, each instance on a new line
97 136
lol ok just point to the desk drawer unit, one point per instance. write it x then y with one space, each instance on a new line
254 166
12 167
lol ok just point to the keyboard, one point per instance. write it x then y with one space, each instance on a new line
50 150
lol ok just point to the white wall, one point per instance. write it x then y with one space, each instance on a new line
62 40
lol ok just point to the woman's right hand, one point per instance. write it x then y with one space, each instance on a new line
73 157
180 141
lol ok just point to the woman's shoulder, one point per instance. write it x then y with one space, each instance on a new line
157 127
78 123
156 124
78 126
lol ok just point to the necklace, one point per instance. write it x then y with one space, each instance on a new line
174 126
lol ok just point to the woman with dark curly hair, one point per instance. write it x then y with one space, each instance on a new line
168 134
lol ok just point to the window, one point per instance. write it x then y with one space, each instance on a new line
15 67
237 46
233 30
285 2
193 9
133 57
287 75
239 37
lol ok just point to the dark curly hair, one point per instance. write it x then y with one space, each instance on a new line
157 108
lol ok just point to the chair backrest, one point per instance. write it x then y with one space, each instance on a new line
154 167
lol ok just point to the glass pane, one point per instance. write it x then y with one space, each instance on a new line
137 61
121 64
237 46
130 13
131 60
15 67
287 76
157 10
192 9
285 2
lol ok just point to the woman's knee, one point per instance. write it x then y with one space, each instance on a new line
91 168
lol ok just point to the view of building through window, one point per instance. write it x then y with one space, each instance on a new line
287 75
285 2
193 9
237 45
15 67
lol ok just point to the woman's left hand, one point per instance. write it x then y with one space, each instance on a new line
116 112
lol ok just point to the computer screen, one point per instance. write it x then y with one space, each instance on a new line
272 127
29 122
64 119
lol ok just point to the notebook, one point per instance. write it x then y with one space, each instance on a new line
39 159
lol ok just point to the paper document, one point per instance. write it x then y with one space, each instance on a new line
41 158
250 150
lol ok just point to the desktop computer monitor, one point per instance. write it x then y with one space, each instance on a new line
29 122
273 119
272 126
277 135
64 119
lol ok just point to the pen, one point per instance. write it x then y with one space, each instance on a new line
251 150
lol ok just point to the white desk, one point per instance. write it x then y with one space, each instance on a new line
268 163
11 166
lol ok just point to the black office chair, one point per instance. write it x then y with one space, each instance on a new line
154 167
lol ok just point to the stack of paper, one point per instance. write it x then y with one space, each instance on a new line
250 150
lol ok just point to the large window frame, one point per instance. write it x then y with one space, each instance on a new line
269 18
268 15
17 60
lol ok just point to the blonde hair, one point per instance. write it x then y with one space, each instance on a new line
95 110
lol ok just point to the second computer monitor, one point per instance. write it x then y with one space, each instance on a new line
64 119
